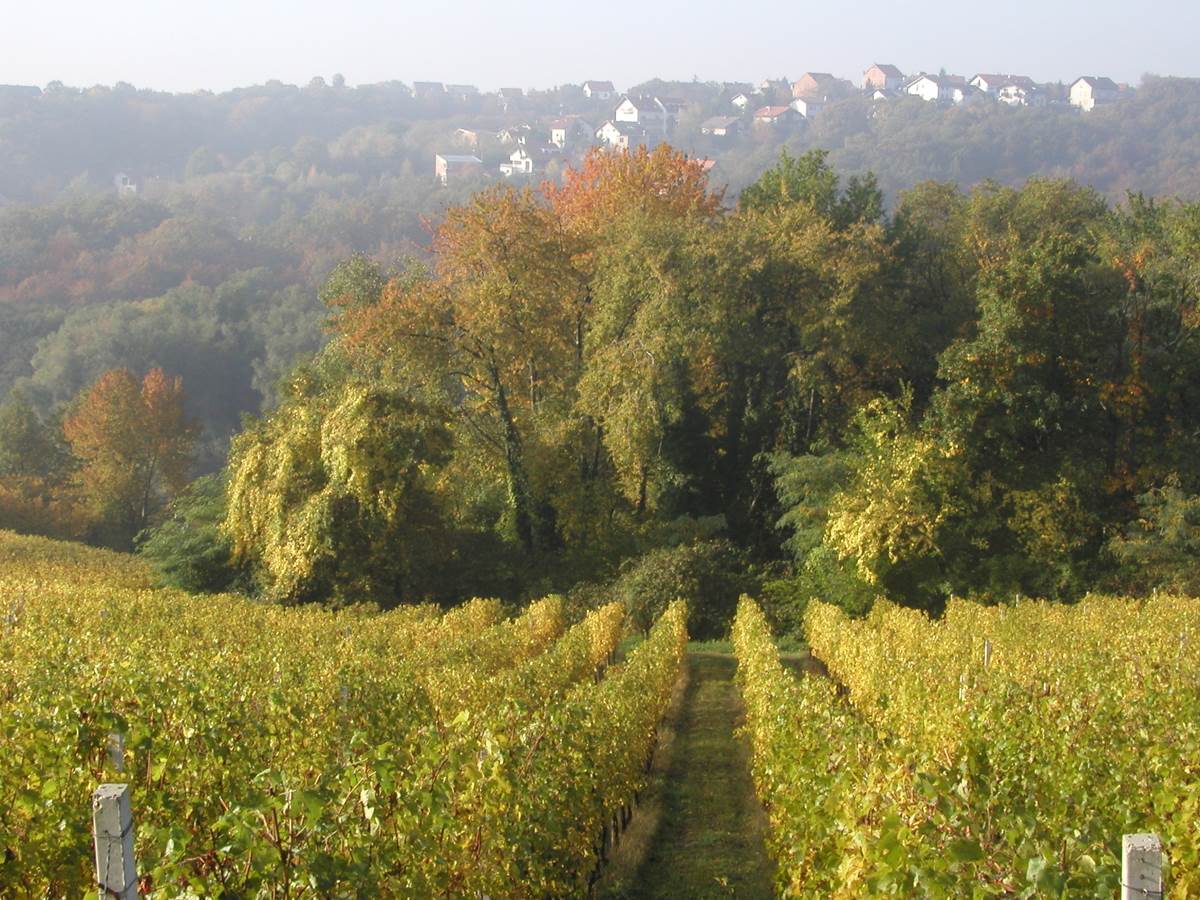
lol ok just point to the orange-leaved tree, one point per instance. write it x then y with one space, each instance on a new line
134 446
607 186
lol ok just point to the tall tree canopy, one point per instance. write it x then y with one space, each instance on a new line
134 446
984 393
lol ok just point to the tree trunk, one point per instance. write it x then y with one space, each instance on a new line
518 482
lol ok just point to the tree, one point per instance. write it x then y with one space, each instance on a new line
30 449
1160 549
809 179
802 316
903 506
34 469
187 548
607 187
642 354
805 486
134 447
711 574
330 497
494 337
354 283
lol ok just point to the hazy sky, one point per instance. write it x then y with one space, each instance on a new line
219 44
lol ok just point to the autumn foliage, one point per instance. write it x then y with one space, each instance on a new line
609 186
134 445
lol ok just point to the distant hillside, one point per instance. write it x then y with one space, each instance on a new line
206 256
65 139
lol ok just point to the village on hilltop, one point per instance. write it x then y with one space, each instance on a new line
595 114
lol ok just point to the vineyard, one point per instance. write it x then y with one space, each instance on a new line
301 752
294 751
999 751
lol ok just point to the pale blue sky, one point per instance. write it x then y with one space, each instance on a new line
219 44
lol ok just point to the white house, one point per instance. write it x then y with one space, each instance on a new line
450 166
642 111
125 185
1091 91
740 101
948 88
990 84
569 130
647 112
1017 94
960 91
599 90
808 106
994 85
514 134
520 162
620 135
529 160
721 126
927 87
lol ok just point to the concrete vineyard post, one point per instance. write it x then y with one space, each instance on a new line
112 826
1141 867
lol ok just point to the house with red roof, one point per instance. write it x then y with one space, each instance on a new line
820 86
775 115
883 77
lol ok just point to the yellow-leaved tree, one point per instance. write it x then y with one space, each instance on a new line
329 497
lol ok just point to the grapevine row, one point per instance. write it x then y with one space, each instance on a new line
301 752
948 767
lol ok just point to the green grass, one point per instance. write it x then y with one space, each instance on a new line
706 827
786 644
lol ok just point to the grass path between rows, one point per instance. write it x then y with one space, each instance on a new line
700 831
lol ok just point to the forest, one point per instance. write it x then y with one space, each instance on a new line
629 383
247 199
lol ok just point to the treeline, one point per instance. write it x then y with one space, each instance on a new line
101 468
981 394
247 199
68 138
216 279
1146 142
68 135
624 384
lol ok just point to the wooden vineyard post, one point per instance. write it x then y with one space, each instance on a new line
112 826
1141 867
